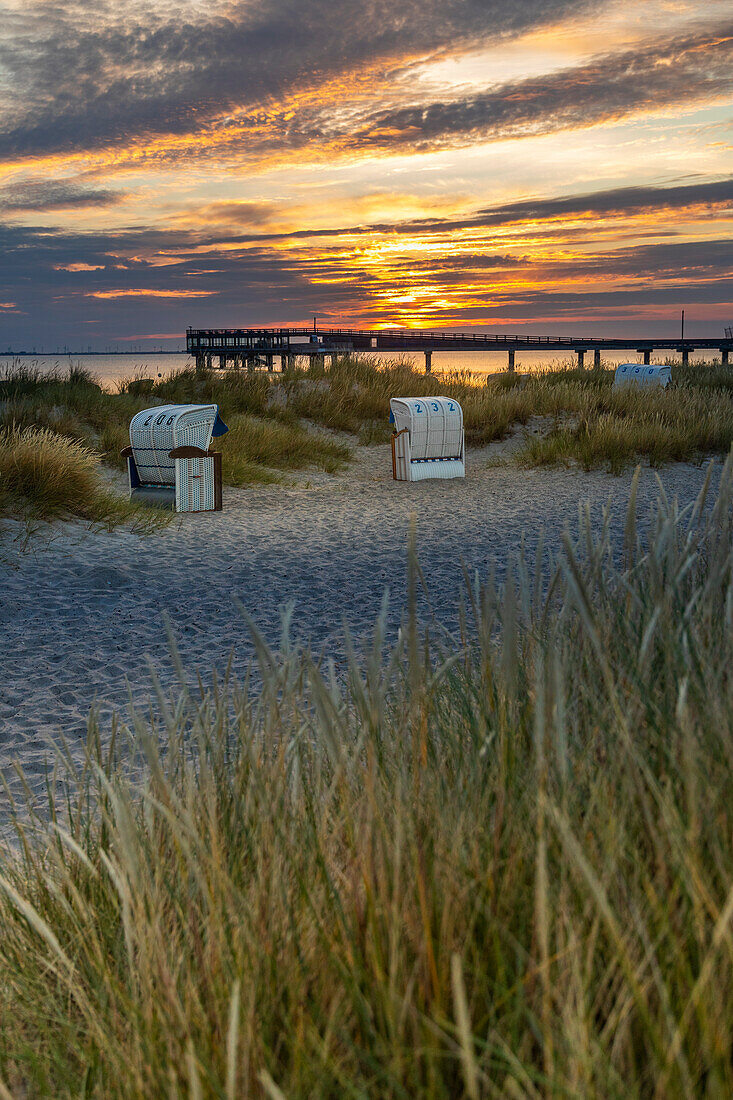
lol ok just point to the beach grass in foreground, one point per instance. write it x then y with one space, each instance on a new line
495 865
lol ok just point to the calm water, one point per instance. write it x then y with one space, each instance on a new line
112 369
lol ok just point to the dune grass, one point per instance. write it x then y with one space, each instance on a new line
590 422
584 419
266 436
44 476
70 404
490 866
614 427
276 446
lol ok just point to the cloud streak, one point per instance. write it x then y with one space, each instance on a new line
681 70
59 195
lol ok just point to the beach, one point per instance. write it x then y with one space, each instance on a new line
83 610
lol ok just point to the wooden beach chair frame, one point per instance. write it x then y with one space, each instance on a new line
189 468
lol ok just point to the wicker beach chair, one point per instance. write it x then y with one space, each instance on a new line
428 439
642 374
169 462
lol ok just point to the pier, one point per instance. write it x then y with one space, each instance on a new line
259 347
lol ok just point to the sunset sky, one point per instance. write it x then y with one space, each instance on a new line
547 166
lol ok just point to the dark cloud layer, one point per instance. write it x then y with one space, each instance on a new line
85 77
714 196
619 200
693 68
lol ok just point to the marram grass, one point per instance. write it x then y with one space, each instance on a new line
44 475
497 865
578 415
46 469
584 418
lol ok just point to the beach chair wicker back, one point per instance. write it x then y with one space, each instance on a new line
642 374
429 440
154 433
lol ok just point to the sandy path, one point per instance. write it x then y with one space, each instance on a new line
81 611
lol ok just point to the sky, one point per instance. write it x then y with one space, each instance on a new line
533 166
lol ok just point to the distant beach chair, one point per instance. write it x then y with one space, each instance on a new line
428 439
169 462
642 374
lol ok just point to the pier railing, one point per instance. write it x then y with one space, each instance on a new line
409 335
258 346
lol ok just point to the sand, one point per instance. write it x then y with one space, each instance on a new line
81 610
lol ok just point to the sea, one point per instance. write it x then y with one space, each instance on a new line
112 370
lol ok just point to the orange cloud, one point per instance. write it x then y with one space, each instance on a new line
78 267
141 293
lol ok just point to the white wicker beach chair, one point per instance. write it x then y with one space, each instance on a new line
428 439
642 374
169 462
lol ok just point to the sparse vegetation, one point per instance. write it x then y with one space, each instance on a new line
485 867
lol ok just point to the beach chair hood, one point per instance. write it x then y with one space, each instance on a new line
428 441
154 433
642 374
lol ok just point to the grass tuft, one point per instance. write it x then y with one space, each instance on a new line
44 475
50 473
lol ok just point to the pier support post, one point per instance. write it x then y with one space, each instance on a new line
209 362
428 362
510 366
647 353
580 352
200 363
251 362
269 360
724 353
685 355
596 358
